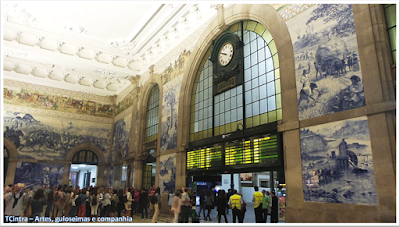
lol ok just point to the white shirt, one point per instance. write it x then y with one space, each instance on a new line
185 197
17 210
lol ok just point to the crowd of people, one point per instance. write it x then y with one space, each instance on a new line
107 202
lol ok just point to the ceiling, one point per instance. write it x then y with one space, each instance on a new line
97 47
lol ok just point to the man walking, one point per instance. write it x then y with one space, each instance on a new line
274 208
185 208
265 205
257 200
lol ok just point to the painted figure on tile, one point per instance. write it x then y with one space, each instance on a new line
329 44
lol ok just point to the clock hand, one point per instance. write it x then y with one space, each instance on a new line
224 53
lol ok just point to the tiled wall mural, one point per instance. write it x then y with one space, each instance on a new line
52 101
167 177
136 133
36 174
122 132
124 104
105 183
50 138
169 124
175 69
328 75
111 177
337 164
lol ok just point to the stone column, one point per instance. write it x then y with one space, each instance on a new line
12 167
100 174
65 179
180 169
138 173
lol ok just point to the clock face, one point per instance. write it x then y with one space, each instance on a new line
225 54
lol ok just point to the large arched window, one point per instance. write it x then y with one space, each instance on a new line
255 102
152 115
85 157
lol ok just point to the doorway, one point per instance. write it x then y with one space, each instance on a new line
83 175
149 170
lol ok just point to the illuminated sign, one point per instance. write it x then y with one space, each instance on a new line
263 151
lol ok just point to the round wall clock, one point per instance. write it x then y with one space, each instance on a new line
225 54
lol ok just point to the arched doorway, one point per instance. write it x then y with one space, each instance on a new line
149 169
83 172
6 157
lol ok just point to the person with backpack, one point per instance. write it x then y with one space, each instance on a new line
94 202
156 201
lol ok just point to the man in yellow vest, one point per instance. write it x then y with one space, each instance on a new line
257 200
236 204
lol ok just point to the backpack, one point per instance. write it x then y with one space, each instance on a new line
153 199
94 200
78 201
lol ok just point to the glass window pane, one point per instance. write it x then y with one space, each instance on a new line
263 91
239 89
240 113
209 81
233 115
216 99
239 100
227 104
271 103
261 55
216 108
253 47
209 111
227 117
233 91
201 85
246 37
247 86
261 68
204 74
247 62
227 94
246 50
261 42
201 105
210 69
201 116
247 74
254 59
269 64
216 121
267 52
233 102
249 111
256 108
254 83
391 16
253 35
247 97
254 72
263 106
196 126
209 120
270 76
392 37
201 125
270 89
255 95
221 106
221 119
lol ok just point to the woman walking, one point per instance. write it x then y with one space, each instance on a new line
176 206
221 206
209 204
171 196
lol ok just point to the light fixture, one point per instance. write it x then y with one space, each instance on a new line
82 165
74 167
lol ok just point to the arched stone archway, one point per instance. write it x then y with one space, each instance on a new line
86 146
12 161
273 22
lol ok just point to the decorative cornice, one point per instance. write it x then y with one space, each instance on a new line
53 113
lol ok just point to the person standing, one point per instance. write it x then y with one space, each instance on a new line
176 206
128 203
209 204
274 208
171 196
114 202
37 203
152 190
222 205
107 203
120 204
157 205
50 201
265 205
94 202
81 203
257 200
15 198
143 201
73 209
185 205
203 203
136 201
236 203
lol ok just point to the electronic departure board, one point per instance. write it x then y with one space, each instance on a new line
263 151
204 158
